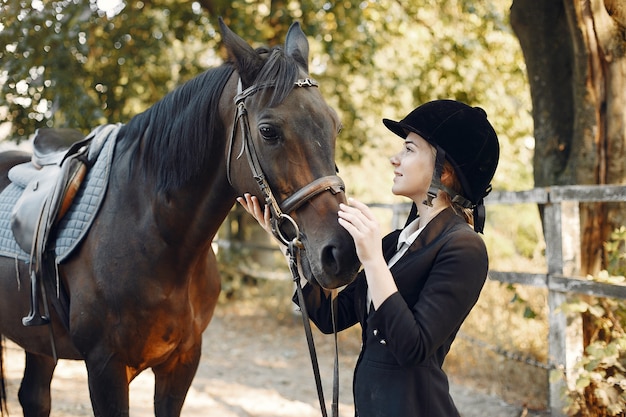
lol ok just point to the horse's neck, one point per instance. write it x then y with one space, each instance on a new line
189 215
200 212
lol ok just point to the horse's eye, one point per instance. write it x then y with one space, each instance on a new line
269 132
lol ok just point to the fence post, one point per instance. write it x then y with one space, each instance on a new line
562 234
557 321
570 220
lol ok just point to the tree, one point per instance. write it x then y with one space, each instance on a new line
70 64
575 52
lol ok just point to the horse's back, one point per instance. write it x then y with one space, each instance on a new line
8 159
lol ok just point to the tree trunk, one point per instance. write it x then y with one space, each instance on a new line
575 53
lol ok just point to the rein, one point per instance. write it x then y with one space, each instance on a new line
280 213
293 251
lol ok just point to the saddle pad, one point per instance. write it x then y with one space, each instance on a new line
74 226
8 246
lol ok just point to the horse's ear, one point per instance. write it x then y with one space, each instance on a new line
246 60
297 45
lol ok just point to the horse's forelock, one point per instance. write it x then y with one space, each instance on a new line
281 71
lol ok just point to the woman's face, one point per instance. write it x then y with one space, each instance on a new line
413 168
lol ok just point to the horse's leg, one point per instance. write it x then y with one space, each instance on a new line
3 391
108 387
34 392
172 381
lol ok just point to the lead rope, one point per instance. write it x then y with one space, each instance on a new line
333 315
293 252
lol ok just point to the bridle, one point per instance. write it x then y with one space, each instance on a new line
281 213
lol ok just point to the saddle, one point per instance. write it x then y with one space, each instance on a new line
60 161
50 182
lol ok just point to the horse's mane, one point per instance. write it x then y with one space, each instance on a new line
178 131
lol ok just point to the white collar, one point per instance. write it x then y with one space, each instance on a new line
409 233
412 230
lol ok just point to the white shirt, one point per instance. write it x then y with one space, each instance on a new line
406 239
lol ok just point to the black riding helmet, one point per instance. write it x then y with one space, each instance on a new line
463 136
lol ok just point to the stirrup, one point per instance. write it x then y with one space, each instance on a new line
34 318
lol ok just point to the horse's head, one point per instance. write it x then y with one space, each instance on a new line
282 150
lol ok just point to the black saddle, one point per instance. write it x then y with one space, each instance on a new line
61 158
50 183
51 145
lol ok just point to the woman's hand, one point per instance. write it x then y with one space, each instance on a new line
251 204
360 222
362 225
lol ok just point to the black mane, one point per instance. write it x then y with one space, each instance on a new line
178 130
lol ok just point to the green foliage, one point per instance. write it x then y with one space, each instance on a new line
600 388
514 238
70 63
527 312
616 252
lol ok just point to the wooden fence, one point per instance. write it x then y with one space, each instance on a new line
562 279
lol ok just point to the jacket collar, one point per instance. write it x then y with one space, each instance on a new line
443 221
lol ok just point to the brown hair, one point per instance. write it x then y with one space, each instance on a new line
450 179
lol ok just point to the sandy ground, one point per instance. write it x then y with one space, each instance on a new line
251 367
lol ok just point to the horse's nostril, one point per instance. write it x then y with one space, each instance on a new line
341 266
330 260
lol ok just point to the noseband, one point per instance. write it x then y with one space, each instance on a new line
279 212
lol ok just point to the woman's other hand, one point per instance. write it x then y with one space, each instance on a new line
251 204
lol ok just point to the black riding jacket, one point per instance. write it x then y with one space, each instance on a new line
399 370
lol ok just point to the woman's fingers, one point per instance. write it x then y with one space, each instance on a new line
251 204
356 205
360 223
358 214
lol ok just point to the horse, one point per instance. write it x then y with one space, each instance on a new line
142 283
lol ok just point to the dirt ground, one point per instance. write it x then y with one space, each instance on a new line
252 366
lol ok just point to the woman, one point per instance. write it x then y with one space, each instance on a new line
416 289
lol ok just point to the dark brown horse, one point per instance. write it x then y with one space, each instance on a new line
143 283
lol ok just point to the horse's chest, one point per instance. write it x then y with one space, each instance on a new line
160 346
154 344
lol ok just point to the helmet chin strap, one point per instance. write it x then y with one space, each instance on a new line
436 185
